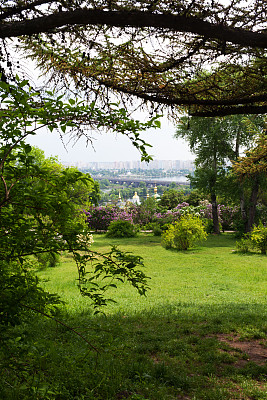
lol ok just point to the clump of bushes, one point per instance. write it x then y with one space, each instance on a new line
121 229
184 233
48 259
255 240
258 238
100 217
244 245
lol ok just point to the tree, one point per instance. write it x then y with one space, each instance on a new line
252 170
215 141
171 198
41 203
203 57
255 161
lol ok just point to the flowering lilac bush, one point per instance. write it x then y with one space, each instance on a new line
99 218
182 205
227 216
141 215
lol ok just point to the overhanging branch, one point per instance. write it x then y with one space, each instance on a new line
137 19
231 111
249 100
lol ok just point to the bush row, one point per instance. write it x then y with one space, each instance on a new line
100 217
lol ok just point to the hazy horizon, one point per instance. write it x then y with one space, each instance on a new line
110 147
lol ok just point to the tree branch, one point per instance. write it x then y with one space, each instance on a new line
11 11
162 99
137 19
231 111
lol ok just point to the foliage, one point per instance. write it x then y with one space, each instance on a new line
49 259
258 237
109 268
216 141
157 229
112 52
244 245
20 291
194 197
99 218
171 198
255 161
249 172
144 213
148 217
184 233
208 224
121 229
227 216
41 201
254 240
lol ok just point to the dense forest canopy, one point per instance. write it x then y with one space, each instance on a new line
207 58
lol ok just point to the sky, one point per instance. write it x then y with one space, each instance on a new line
108 146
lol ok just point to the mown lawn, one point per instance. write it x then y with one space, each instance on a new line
199 334
210 274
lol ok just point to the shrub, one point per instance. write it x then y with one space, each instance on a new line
239 225
48 259
208 224
228 215
119 229
244 245
258 237
99 218
184 233
156 228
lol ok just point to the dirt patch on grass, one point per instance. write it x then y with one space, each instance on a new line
254 349
155 358
124 394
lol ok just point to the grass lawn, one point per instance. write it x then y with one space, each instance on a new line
199 334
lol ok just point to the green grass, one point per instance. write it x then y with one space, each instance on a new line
208 275
160 347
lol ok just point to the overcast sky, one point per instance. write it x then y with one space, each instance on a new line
114 147
107 146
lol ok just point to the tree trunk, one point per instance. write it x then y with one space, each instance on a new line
252 205
243 207
215 217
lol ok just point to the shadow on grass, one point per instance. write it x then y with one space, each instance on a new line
221 240
169 352
145 239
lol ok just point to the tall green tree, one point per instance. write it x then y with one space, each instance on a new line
171 198
251 171
215 141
